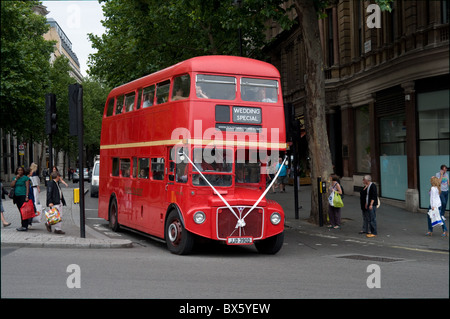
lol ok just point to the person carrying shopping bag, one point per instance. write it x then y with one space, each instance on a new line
334 209
55 199
435 204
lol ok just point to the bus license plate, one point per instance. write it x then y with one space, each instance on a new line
239 240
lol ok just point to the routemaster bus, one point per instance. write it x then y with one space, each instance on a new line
185 153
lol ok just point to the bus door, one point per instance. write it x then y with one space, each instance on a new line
156 203
177 175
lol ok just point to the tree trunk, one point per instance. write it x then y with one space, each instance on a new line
315 119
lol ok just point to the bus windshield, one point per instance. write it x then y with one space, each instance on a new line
215 87
215 164
259 90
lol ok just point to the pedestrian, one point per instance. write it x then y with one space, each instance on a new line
370 207
35 182
3 193
362 201
31 195
55 198
334 212
282 177
443 179
435 202
55 169
21 184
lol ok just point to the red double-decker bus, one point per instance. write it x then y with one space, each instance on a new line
185 152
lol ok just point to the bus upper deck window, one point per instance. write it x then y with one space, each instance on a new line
181 87
162 92
149 96
110 109
129 101
119 105
215 87
259 90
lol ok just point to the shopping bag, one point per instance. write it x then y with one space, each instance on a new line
337 200
435 217
331 198
53 216
27 210
37 218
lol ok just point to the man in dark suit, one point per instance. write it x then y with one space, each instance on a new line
55 198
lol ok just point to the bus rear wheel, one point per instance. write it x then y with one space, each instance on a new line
179 241
113 214
270 245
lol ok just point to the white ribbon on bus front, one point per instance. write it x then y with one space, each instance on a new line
240 222
267 189
215 190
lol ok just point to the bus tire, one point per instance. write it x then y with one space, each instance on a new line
270 245
179 241
113 215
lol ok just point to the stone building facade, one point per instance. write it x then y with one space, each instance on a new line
387 93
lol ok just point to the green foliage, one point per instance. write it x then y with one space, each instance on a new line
94 98
24 69
147 35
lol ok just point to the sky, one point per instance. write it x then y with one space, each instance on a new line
77 19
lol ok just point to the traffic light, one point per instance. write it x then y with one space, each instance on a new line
50 113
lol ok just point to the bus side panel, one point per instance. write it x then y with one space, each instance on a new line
103 197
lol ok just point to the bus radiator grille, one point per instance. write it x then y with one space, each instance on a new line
226 222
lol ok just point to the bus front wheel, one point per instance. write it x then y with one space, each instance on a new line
270 245
179 241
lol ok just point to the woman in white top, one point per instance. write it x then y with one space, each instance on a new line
35 182
435 202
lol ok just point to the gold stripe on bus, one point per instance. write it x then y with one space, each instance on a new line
197 142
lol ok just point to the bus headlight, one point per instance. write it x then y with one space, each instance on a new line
275 218
199 217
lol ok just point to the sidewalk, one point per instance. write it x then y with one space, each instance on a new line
396 227
38 236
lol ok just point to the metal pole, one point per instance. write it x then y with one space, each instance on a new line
295 177
81 160
50 154
319 198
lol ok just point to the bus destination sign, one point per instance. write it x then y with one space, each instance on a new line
249 115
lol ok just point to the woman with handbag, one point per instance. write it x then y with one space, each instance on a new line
334 211
21 184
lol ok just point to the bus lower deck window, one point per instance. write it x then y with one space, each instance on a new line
158 168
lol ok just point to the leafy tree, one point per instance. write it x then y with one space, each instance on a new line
94 97
308 11
24 69
147 35
60 79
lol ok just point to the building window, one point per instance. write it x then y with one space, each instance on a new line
433 122
393 135
330 44
393 161
362 139
434 137
445 11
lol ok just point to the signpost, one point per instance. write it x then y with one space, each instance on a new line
76 129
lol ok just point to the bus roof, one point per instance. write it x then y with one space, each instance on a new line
222 64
